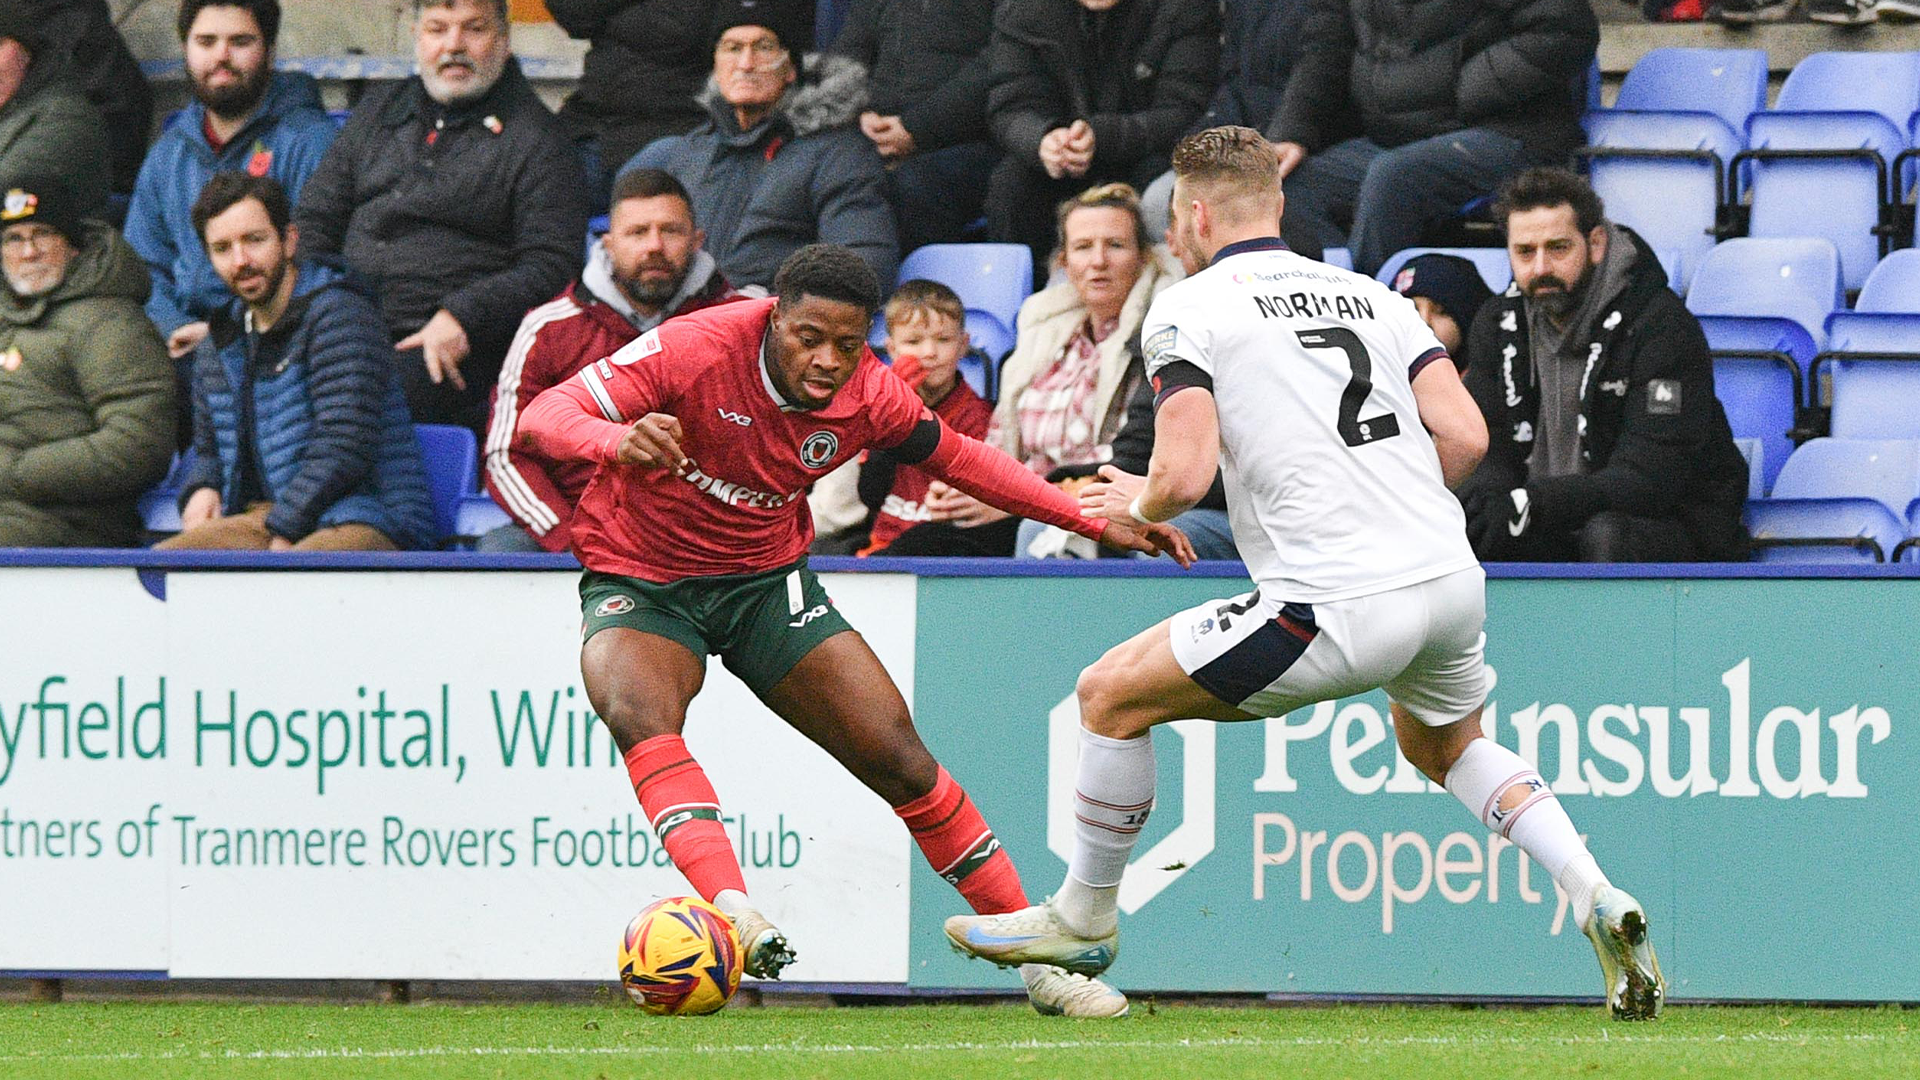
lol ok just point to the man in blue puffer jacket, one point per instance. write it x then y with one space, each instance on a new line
300 429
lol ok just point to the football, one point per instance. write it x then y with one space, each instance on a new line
680 957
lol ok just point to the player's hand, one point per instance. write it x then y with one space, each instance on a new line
1112 495
186 339
653 442
202 506
1156 539
443 347
1289 155
945 503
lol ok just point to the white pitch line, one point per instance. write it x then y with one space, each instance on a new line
351 1053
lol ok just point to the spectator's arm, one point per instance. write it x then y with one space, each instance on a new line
1551 42
1024 102
146 231
956 111
347 374
327 198
126 380
1316 93
549 219
658 154
850 202
858 34
205 472
517 478
1180 92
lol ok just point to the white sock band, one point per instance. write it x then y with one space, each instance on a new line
1113 793
1537 824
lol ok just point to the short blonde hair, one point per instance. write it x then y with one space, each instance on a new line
919 298
1110 196
1232 164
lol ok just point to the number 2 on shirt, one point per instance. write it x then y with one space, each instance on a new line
1352 428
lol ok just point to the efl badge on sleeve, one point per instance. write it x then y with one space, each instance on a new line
10 360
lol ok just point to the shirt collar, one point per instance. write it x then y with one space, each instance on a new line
766 376
1258 243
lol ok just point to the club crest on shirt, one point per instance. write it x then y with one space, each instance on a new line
1160 343
617 604
819 448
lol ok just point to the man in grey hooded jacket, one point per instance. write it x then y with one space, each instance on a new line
780 162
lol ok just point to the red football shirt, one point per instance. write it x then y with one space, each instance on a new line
743 508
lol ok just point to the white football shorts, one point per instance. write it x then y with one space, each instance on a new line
1422 643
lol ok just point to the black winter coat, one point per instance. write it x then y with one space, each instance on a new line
1656 442
648 62
1260 43
1414 69
925 64
1140 74
83 34
485 221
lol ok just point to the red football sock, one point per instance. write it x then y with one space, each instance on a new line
956 841
685 813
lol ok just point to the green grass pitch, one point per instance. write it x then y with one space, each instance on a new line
157 1041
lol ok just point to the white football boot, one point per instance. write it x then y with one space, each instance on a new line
1033 935
1618 930
763 947
1062 993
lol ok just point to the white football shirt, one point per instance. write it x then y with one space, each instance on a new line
1333 486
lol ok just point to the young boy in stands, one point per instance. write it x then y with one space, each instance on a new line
926 337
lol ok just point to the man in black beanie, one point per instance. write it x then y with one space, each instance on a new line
1447 290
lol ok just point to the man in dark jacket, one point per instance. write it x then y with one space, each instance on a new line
1088 92
86 393
1450 98
458 194
928 79
647 63
48 128
301 435
780 162
82 33
244 116
1605 440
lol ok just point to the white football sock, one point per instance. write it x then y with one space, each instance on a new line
1113 793
1485 779
732 902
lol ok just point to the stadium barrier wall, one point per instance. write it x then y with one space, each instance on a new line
1736 747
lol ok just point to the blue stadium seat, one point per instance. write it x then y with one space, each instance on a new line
1338 256
995 278
1820 161
1760 392
453 463
1754 451
1838 500
477 514
992 340
339 116
596 228
159 508
1873 358
1729 84
1494 266
1770 280
828 17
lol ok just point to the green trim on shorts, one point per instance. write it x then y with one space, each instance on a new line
760 625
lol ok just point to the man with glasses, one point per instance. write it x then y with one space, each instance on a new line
780 162
86 392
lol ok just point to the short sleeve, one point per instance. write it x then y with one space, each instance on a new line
1418 345
1176 330
632 382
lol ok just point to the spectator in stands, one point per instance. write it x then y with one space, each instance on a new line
301 435
86 393
1606 441
780 162
458 192
1450 99
1257 51
1086 92
47 126
1064 388
928 81
649 267
1448 291
926 337
82 33
647 63
245 116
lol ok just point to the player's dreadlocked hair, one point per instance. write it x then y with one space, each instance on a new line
830 272
1548 187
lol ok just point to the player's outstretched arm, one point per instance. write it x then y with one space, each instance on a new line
1453 418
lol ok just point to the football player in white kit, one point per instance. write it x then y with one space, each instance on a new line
1319 393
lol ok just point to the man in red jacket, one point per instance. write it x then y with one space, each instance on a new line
650 266
705 434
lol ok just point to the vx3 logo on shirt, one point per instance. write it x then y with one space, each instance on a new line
735 418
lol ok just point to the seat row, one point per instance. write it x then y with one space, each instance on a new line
1842 500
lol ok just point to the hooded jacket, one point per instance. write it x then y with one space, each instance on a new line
1140 74
643 73
1410 70
86 394
926 64
48 125
82 32
1653 440
805 174
322 432
285 139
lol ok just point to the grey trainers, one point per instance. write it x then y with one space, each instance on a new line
763 947
1843 12
1033 935
1618 930
1741 12
1061 993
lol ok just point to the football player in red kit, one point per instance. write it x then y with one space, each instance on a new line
694 531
